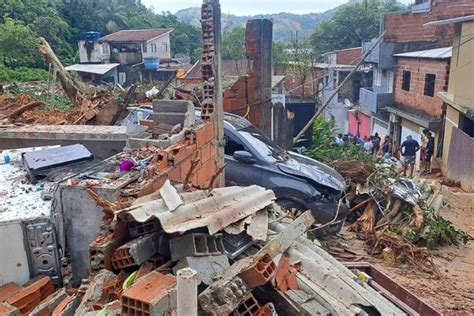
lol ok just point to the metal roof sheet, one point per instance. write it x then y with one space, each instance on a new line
450 21
217 210
99 69
437 53
135 35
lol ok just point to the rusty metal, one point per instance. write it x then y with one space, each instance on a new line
395 293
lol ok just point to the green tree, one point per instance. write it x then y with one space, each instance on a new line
351 25
18 44
233 44
280 56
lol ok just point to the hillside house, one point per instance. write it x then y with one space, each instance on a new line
458 138
404 32
125 57
419 77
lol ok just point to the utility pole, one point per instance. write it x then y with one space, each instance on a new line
321 109
212 103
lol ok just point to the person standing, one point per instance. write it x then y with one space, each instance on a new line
386 146
368 146
376 144
409 148
424 142
429 152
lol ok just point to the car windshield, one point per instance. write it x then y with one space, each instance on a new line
269 149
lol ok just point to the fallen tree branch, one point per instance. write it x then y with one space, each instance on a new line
24 108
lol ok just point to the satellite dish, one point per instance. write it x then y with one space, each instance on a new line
348 103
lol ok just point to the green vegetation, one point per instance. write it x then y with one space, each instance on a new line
351 25
63 22
233 44
22 74
324 149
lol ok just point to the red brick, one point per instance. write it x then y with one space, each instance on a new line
260 273
8 290
61 306
248 307
177 153
144 295
29 297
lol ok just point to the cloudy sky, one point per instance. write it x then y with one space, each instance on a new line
253 7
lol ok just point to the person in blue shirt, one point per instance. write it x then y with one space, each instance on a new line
409 148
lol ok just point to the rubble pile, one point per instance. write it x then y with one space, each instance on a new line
399 217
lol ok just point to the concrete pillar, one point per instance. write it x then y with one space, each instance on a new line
187 292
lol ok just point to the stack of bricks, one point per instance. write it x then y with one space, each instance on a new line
408 26
14 298
208 59
198 150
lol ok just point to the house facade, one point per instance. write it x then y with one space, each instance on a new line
389 104
458 136
343 108
420 76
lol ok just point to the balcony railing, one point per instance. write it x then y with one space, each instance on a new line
373 101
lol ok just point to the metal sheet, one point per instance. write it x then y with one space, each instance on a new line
215 211
99 69
437 53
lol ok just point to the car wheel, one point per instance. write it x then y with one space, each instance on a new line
294 208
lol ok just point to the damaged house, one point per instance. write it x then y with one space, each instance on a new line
125 57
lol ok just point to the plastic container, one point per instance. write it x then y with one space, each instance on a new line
151 63
91 36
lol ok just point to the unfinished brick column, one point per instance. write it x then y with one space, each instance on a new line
251 94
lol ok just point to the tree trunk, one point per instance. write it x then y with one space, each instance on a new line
70 86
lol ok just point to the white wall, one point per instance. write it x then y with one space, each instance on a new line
100 52
162 45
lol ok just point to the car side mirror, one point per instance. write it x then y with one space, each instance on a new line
244 157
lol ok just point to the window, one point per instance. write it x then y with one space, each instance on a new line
153 48
144 47
430 81
105 49
165 47
232 145
406 80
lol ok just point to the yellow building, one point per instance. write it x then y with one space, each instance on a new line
458 140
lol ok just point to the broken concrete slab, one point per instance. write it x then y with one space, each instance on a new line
209 268
102 141
95 291
170 196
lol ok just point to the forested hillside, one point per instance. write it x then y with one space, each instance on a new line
62 23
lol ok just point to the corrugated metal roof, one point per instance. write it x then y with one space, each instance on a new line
450 21
216 211
98 69
437 53
135 35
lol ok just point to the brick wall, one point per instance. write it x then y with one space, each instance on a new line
415 98
294 84
408 27
349 56
255 87
174 162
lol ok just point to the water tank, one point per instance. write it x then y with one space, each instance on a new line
151 63
91 36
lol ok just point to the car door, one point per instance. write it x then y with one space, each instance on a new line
239 173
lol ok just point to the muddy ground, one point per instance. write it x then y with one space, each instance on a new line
453 292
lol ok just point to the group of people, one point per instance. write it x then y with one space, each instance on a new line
374 145
410 147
